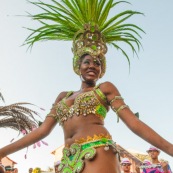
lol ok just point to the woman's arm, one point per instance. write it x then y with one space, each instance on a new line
132 122
145 132
30 138
35 135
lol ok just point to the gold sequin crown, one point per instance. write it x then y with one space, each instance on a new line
89 41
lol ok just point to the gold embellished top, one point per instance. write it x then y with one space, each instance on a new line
85 103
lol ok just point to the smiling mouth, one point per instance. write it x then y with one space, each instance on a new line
91 73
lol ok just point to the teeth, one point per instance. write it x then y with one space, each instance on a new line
91 72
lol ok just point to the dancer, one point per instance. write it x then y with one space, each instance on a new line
89 146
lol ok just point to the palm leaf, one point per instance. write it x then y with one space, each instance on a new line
124 53
61 21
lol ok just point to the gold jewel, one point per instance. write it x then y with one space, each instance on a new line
53 116
119 109
85 104
89 41
116 98
94 138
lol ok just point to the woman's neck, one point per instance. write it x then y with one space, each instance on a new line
87 85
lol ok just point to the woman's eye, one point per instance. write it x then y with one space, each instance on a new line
86 62
97 63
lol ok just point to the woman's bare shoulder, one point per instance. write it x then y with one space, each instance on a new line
108 87
60 96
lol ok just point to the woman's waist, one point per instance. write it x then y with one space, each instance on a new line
88 134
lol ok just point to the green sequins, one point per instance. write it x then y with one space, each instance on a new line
73 160
85 104
101 110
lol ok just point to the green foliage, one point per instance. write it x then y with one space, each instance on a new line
61 21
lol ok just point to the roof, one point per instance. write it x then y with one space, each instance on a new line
11 160
125 153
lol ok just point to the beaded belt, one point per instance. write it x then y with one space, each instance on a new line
73 157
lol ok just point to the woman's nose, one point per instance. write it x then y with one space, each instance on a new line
92 65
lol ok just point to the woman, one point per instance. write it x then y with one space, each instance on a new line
88 144
89 127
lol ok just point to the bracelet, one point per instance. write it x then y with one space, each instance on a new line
53 116
119 109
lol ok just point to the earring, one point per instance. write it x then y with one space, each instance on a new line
80 74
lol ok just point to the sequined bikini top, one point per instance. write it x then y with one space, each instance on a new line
84 104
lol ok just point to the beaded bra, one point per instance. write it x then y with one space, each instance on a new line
85 103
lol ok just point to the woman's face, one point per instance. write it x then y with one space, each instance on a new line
90 68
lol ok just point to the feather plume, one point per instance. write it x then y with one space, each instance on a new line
61 21
1 97
18 117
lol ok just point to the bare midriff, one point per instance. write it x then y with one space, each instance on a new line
78 127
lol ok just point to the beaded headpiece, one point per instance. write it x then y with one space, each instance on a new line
86 23
89 41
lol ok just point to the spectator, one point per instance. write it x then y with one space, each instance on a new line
126 165
30 170
155 166
8 169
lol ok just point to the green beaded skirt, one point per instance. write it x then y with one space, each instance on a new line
73 160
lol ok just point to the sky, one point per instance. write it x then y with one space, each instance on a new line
39 75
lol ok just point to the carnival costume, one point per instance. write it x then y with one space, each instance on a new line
86 23
154 168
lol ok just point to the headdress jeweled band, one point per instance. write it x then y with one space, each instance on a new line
89 41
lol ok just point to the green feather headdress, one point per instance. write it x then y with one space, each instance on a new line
86 23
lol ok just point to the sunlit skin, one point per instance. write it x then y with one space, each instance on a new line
77 127
90 70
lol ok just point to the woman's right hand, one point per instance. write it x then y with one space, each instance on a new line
30 138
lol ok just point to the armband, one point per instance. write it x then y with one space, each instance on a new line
116 98
119 109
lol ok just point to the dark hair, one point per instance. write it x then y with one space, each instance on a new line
82 57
